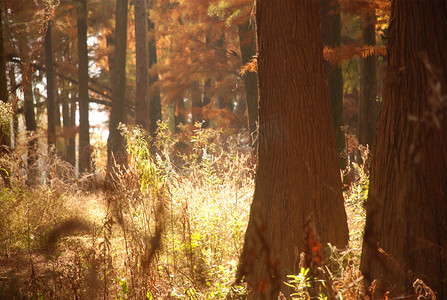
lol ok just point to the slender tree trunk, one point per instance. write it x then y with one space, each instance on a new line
83 95
330 29
5 139
31 128
368 109
179 113
116 144
71 152
196 103
142 65
51 109
298 172
247 42
407 206
154 91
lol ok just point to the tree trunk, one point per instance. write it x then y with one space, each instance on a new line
142 66
31 128
298 172
368 108
116 148
247 42
179 113
83 95
154 91
71 151
5 139
330 33
51 109
407 206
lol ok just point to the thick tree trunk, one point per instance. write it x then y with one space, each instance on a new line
51 108
407 204
116 148
142 65
298 172
330 33
154 91
83 95
368 108
247 42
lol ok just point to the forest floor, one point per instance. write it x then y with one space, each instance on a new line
157 233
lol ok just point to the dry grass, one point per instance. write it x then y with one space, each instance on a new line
171 227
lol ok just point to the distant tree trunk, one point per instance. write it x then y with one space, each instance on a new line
142 65
31 128
116 144
51 109
247 41
83 94
179 113
368 110
330 33
154 91
196 103
298 172
206 102
71 151
407 204
5 139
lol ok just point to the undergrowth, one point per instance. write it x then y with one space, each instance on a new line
171 226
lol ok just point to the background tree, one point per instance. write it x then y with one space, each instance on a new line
368 103
4 94
83 94
142 66
116 149
298 172
330 35
51 105
154 91
405 235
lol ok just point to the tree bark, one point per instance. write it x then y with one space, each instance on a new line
407 206
116 148
83 95
330 29
247 41
142 65
368 108
298 172
51 109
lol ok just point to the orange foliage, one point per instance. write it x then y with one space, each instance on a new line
336 56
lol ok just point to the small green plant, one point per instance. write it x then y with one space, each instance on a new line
300 283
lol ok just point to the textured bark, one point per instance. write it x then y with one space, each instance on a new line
407 203
51 108
154 91
142 65
330 33
368 106
247 42
298 173
83 95
116 148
